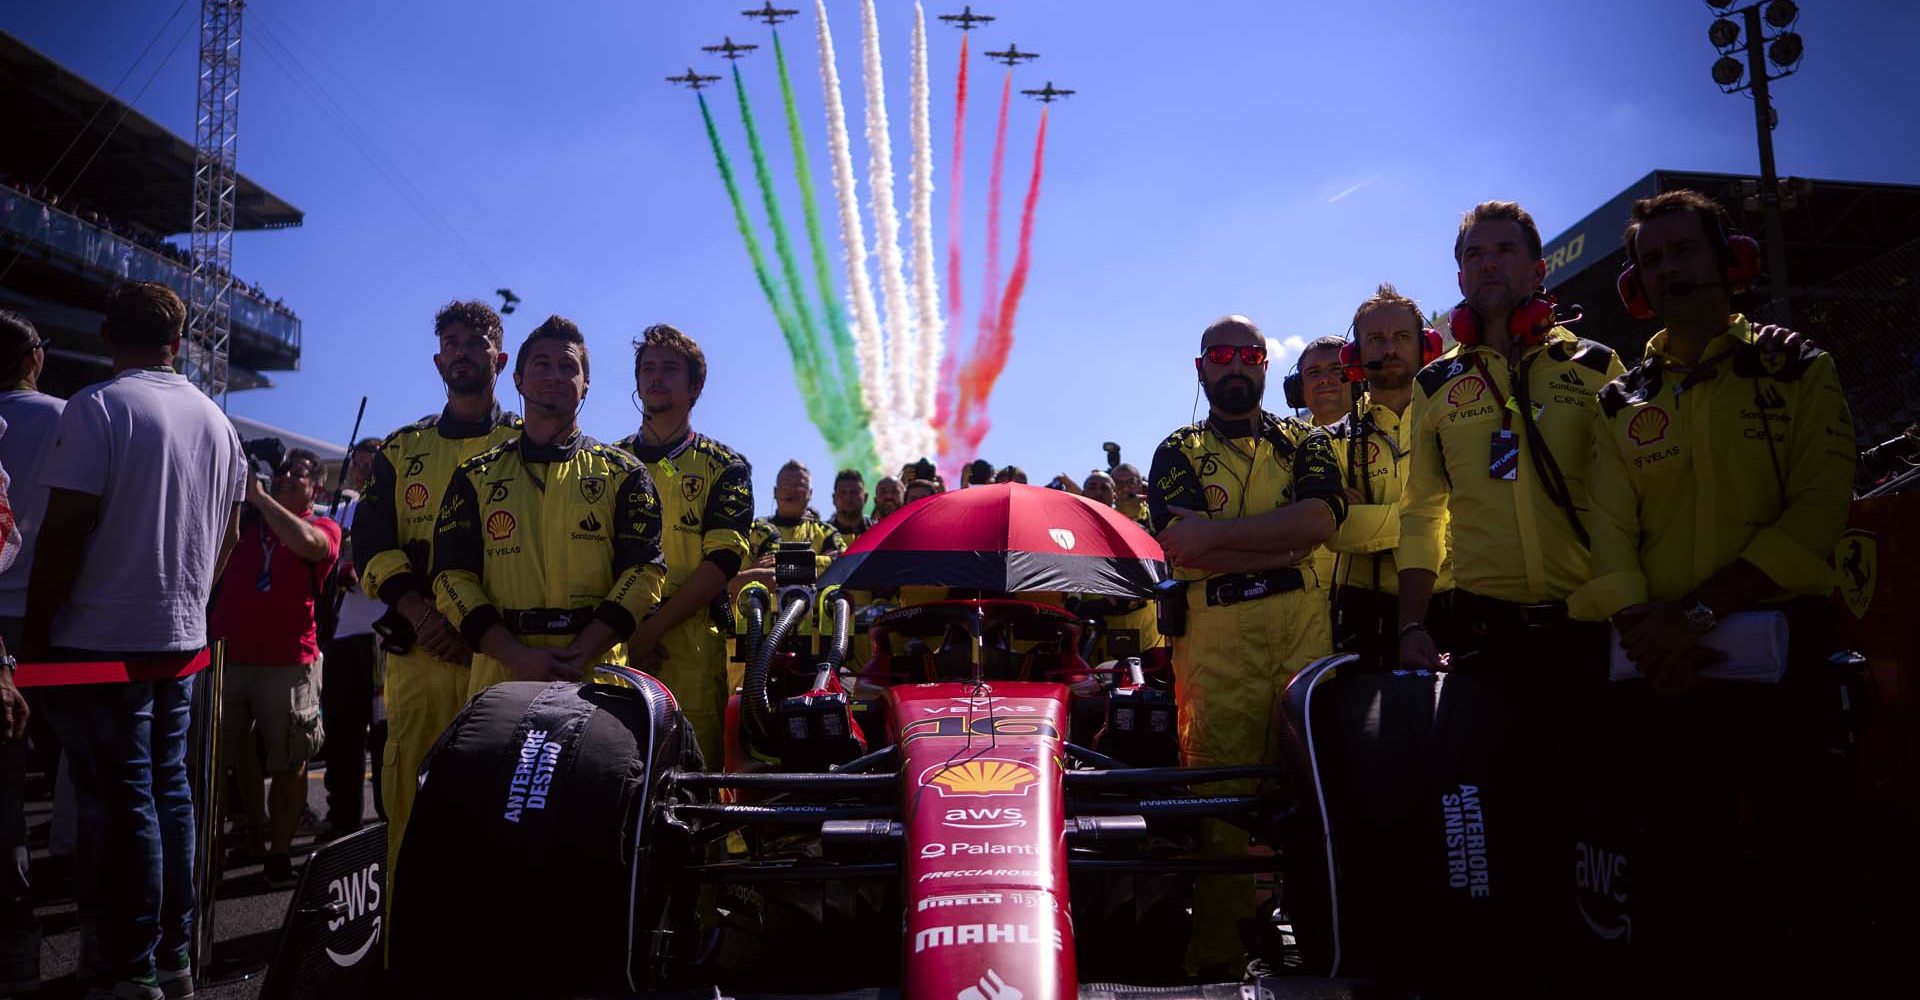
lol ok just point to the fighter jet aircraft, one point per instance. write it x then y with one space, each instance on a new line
1048 94
729 48
1012 56
692 79
770 14
966 20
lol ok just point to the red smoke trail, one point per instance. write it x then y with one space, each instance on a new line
987 364
962 413
943 398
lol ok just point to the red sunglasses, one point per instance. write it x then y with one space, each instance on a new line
1222 354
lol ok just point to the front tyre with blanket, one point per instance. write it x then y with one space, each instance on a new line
535 823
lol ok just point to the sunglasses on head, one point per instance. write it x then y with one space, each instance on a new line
1222 354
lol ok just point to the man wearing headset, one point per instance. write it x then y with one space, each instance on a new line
1502 441
1390 344
546 551
1238 501
1722 475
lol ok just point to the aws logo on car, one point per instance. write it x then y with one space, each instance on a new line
355 897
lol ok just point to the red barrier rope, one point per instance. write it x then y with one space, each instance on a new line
147 668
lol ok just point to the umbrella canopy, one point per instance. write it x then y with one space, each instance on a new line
1008 538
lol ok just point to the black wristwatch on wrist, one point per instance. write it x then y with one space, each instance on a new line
1700 618
8 663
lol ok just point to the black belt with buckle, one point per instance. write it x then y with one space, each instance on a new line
1494 613
1238 588
545 621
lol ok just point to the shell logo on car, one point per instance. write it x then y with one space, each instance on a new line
981 776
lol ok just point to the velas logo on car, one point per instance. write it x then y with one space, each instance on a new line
1466 391
416 496
980 776
1061 537
1649 426
500 525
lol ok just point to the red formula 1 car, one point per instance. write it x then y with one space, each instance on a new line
976 813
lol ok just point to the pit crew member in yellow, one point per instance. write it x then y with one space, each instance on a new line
547 551
1511 483
792 490
1238 501
1722 471
427 661
1375 458
706 497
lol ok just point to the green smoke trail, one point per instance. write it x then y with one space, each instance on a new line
805 375
843 345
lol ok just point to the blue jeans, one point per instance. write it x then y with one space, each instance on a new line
128 746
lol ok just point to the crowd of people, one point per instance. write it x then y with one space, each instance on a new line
127 233
1510 509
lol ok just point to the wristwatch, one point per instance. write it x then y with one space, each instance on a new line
1700 618
8 663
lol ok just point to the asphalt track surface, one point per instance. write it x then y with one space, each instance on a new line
247 917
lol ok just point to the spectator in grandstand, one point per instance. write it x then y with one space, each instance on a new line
979 473
271 700
350 669
888 495
29 417
849 505
146 481
920 488
1010 474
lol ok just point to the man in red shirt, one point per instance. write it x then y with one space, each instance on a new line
271 706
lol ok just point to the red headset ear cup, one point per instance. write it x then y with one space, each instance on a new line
1633 294
1432 345
1743 263
1350 360
1464 324
1531 320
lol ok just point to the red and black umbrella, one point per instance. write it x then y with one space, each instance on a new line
1008 538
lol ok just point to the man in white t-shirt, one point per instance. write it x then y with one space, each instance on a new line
29 416
350 675
146 478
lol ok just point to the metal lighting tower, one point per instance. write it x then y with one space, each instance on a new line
216 127
1784 49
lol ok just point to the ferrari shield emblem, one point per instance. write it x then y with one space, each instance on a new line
592 488
1858 561
691 486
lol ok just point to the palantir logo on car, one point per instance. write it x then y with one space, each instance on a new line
1061 537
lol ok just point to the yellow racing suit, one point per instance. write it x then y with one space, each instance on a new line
823 538
393 546
544 539
1245 634
706 508
1686 479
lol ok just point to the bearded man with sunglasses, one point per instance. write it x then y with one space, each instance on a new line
1238 500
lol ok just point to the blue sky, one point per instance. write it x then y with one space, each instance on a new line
1274 159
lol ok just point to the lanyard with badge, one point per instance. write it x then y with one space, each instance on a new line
1503 455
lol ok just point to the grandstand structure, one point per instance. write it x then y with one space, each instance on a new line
1853 279
93 192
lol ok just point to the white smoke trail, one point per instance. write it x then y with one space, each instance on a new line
866 323
886 227
926 287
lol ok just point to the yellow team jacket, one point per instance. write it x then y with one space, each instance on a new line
1375 459
1511 541
1747 455
1232 469
823 538
530 534
393 526
706 505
